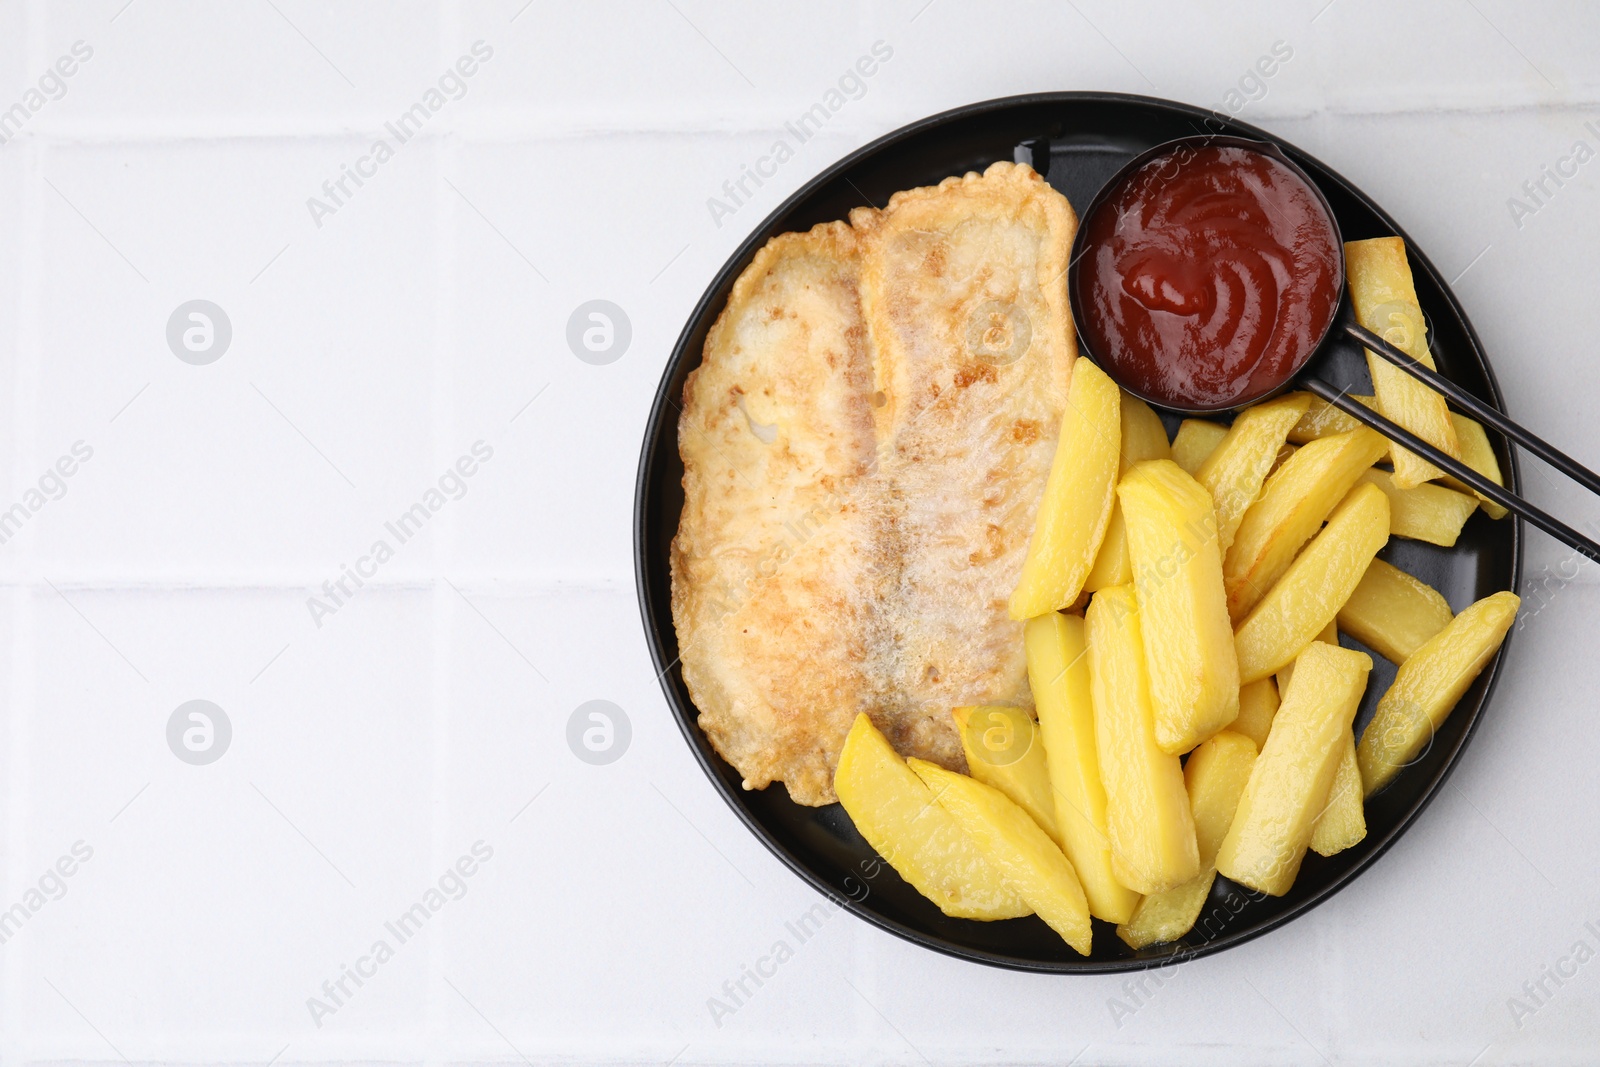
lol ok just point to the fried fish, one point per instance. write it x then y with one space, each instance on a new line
864 445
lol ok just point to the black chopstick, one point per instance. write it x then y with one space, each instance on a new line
1476 408
1342 400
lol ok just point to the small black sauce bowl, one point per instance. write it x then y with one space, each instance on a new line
1177 149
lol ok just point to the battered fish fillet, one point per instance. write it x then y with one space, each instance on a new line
963 287
773 564
864 446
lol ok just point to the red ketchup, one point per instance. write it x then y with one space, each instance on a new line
1209 275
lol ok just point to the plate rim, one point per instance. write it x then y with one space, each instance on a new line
661 402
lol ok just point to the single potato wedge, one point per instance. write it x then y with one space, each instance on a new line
1385 302
1004 750
1147 810
1426 512
1215 777
1058 673
1477 453
1427 686
1143 437
1315 587
897 815
1234 471
1014 845
1112 566
1393 613
1183 615
1293 503
1343 821
1322 419
1195 441
1078 495
1289 784
1258 703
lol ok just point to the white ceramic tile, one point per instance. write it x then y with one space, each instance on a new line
269 868
642 64
220 64
312 427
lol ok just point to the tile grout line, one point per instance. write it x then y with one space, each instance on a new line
516 126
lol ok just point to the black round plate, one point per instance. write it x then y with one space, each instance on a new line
1077 140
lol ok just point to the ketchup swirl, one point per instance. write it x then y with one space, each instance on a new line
1210 274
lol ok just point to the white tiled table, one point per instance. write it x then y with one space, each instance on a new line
423 315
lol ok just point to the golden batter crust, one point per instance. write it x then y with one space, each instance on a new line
864 445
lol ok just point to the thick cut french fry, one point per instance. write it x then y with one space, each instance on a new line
1196 440
898 816
1477 453
1322 419
1078 496
1003 749
1316 585
1147 810
1026 858
1393 613
1183 615
1234 471
1258 703
1291 778
1343 821
1328 636
1427 686
1143 437
1112 565
1385 302
1425 512
1292 505
1215 777
1058 673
